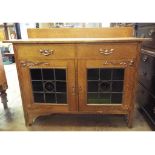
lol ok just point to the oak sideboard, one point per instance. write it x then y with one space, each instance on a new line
77 75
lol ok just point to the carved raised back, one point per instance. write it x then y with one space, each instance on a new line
80 32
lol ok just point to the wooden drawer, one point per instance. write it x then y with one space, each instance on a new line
107 51
45 51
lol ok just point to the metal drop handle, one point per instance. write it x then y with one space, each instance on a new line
46 52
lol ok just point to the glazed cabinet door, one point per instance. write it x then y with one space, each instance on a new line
105 86
48 85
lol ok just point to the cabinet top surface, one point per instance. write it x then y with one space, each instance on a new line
77 40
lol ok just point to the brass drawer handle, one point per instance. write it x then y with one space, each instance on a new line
46 52
106 51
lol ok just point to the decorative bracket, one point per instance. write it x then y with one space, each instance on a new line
124 63
30 63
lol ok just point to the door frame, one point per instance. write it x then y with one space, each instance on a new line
27 95
129 77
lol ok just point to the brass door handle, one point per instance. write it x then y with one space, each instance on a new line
73 90
106 51
80 88
46 52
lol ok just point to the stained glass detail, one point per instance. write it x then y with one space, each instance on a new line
105 86
49 85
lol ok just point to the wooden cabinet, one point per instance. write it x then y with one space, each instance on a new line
78 75
146 76
77 78
146 90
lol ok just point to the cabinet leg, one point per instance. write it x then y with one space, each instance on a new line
29 121
4 99
130 119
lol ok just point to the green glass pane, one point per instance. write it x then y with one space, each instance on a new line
98 98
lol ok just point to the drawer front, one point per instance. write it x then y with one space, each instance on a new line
148 82
147 64
146 101
146 72
45 51
107 51
142 95
149 109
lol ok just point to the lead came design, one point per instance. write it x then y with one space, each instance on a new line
105 86
49 85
